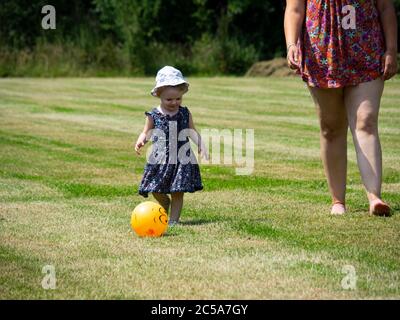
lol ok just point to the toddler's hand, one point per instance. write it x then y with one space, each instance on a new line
139 145
204 154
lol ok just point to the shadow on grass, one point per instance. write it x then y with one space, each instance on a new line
195 222
173 231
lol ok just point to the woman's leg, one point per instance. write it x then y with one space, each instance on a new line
362 104
176 206
163 200
333 139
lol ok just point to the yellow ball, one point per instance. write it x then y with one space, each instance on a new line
149 219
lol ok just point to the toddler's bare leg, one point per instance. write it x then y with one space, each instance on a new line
163 200
176 206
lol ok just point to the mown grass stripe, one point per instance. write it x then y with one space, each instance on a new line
312 243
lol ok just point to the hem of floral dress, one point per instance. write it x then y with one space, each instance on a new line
372 76
146 193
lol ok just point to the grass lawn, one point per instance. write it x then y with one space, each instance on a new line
69 179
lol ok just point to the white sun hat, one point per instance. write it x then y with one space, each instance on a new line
168 76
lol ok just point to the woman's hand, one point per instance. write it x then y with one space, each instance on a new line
293 24
293 57
387 17
389 63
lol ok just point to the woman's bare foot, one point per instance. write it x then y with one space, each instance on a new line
338 208
379 208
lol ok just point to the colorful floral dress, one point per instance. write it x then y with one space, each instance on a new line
172 166
341 44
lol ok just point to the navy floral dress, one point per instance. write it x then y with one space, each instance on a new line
171 166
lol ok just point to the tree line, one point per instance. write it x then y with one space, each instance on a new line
136 37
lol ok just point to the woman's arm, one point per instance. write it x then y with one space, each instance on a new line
293 22
387 15
142 140
196 138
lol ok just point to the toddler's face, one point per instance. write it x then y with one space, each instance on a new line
171 98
